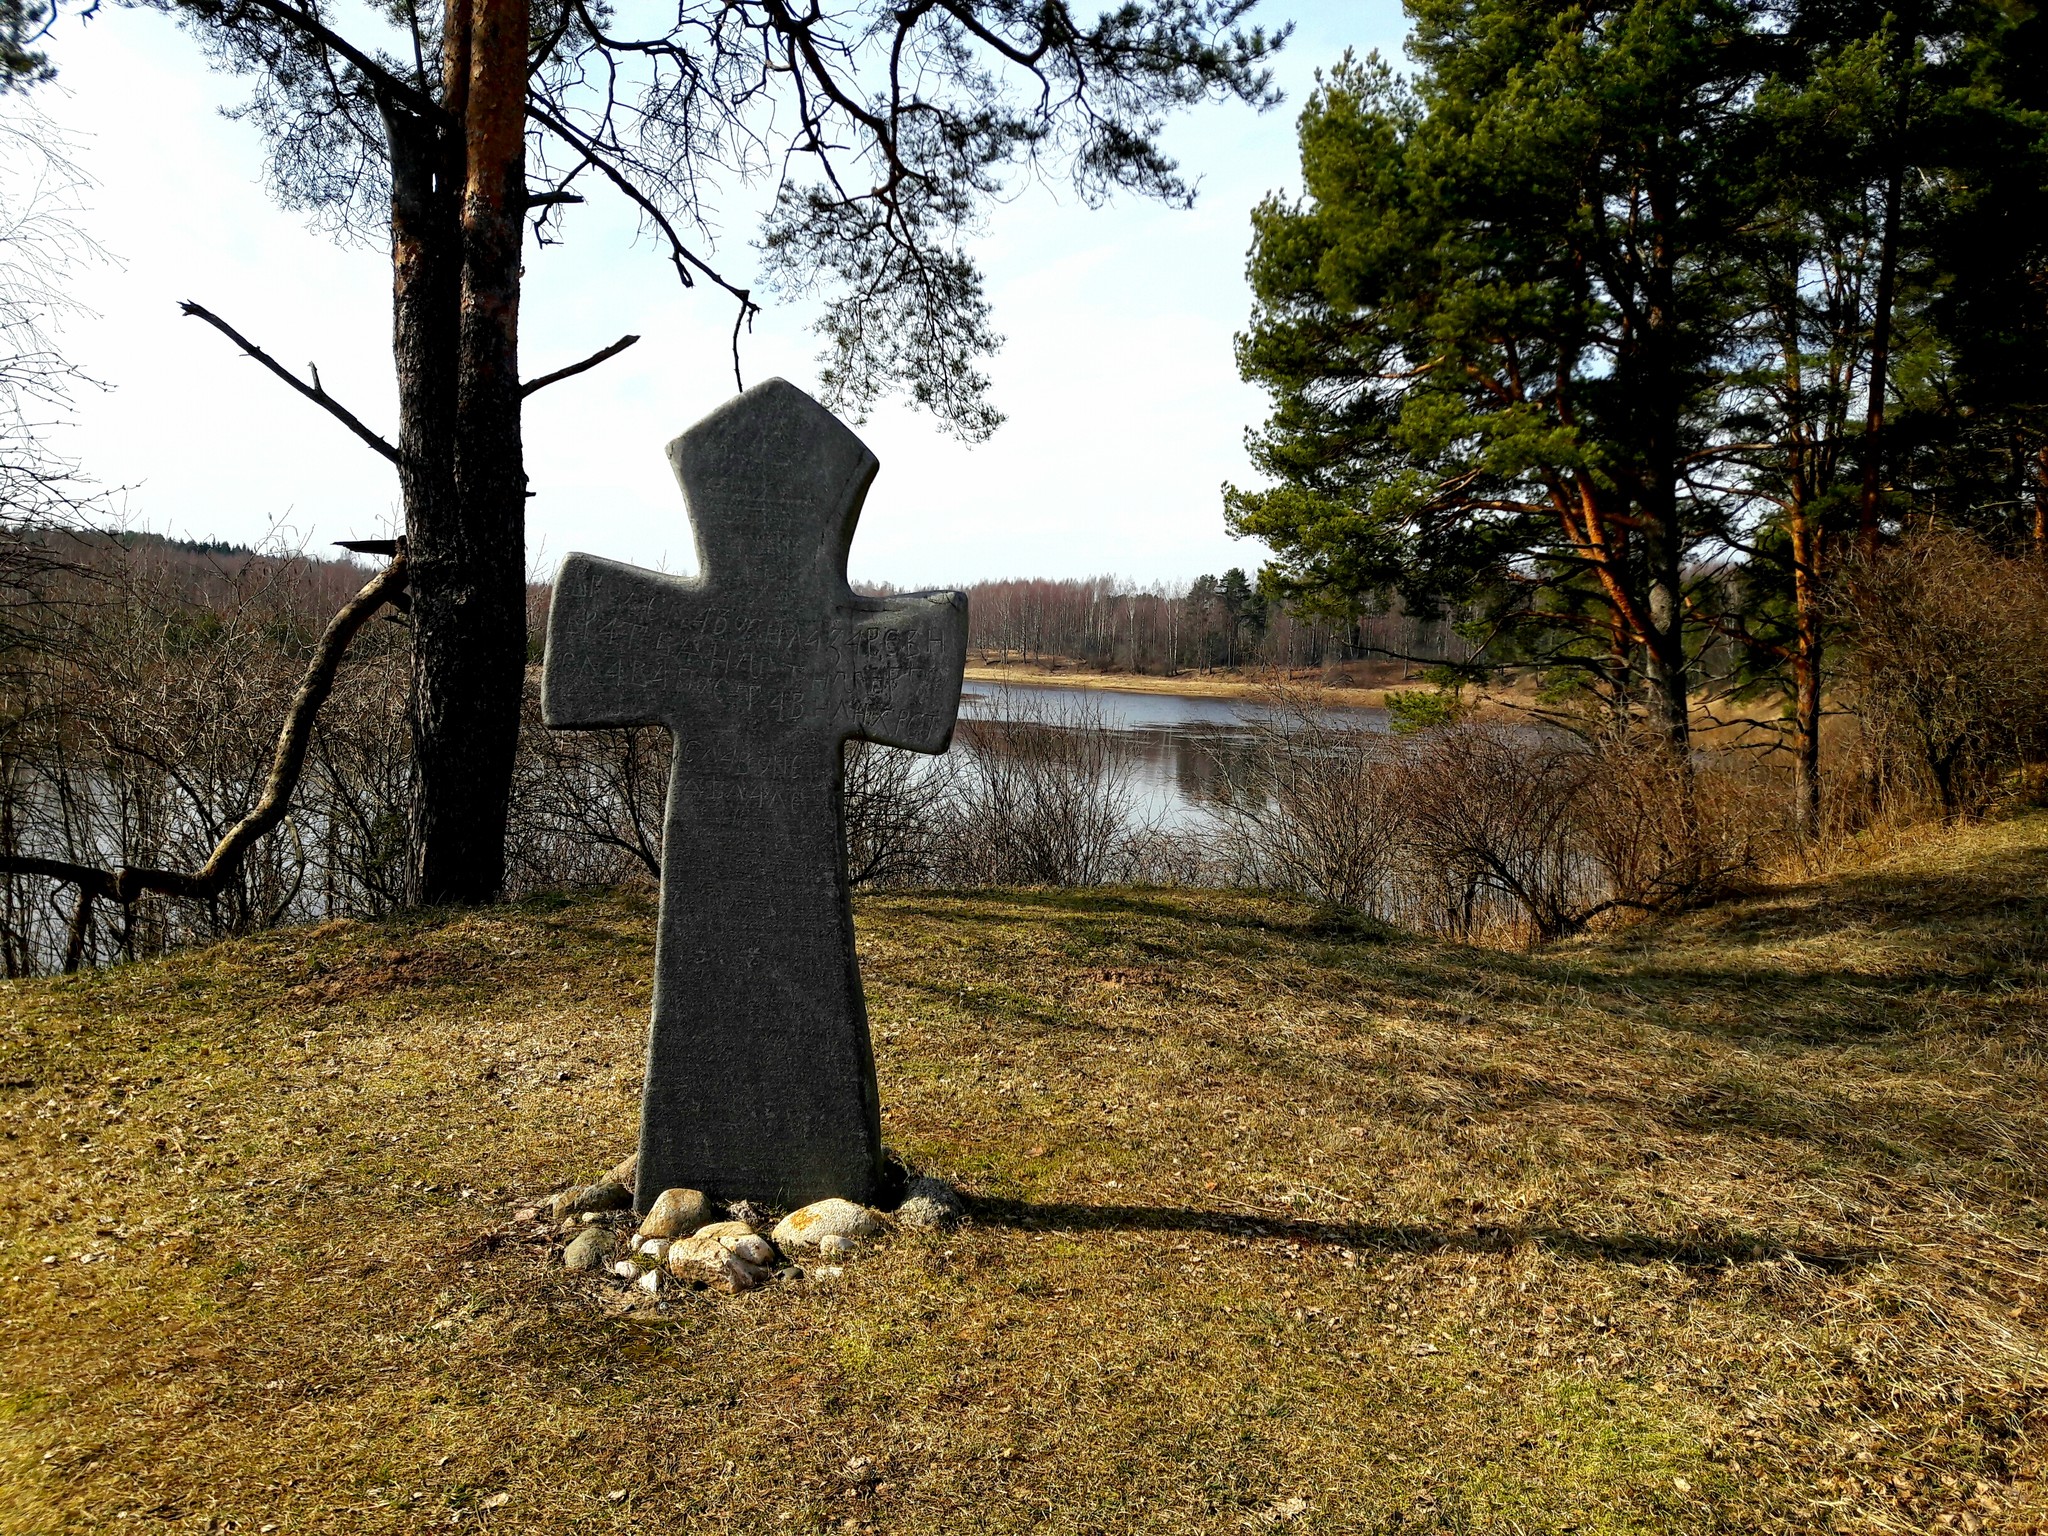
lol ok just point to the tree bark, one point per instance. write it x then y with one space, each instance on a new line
1662 404
458 191
1882 305
1670 676
2041 503
1806 671
426 287
1664 547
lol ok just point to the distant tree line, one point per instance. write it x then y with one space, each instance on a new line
1163 629
1641 331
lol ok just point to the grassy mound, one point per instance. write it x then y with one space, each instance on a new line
1731 1223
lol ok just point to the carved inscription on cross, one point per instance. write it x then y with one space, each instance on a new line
760 1077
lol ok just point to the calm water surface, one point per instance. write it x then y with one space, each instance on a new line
1178 746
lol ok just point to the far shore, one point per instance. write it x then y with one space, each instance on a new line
1187 685
1513 701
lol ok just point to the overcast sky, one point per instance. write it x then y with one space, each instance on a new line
1125 410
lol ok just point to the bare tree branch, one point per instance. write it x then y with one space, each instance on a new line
312 392
126 885
573 369
680 255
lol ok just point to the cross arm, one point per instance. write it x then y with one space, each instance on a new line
610 646
909 653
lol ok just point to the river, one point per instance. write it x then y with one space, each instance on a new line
1178 746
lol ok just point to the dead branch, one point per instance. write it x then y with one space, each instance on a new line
312 392
573 369
127 884
681 257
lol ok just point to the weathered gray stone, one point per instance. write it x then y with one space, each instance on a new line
723 1231
604 1195
677 1213
833 1246
760 1078
825 1218
591 1248
707 1260
752 1248
931 1204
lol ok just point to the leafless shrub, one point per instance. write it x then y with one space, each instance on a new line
358 784
1667 834
1044 795
1542 832
141 724
1480 829
1948 671
1494 822
896 807
587 806
1313 807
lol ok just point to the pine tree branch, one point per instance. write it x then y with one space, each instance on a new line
680 255
380 78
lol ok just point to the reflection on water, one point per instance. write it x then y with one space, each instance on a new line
1181 749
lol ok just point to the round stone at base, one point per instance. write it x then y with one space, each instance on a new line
604 1196
710 1262
826 1218
676 1213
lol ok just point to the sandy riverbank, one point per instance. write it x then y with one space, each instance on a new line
1187 685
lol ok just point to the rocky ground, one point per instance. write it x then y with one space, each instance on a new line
685 1240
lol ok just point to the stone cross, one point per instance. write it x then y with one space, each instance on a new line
760 1076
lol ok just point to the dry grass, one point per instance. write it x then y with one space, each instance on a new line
1731 1223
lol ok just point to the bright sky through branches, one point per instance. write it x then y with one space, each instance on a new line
1125 411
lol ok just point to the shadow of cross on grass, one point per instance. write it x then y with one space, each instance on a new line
1709 1248
760 1076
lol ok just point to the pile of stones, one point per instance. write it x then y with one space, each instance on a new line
684 1239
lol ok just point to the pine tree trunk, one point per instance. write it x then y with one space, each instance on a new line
1670 677
2041 503
458 190
426 292
1806 669
1882 305
1662 405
